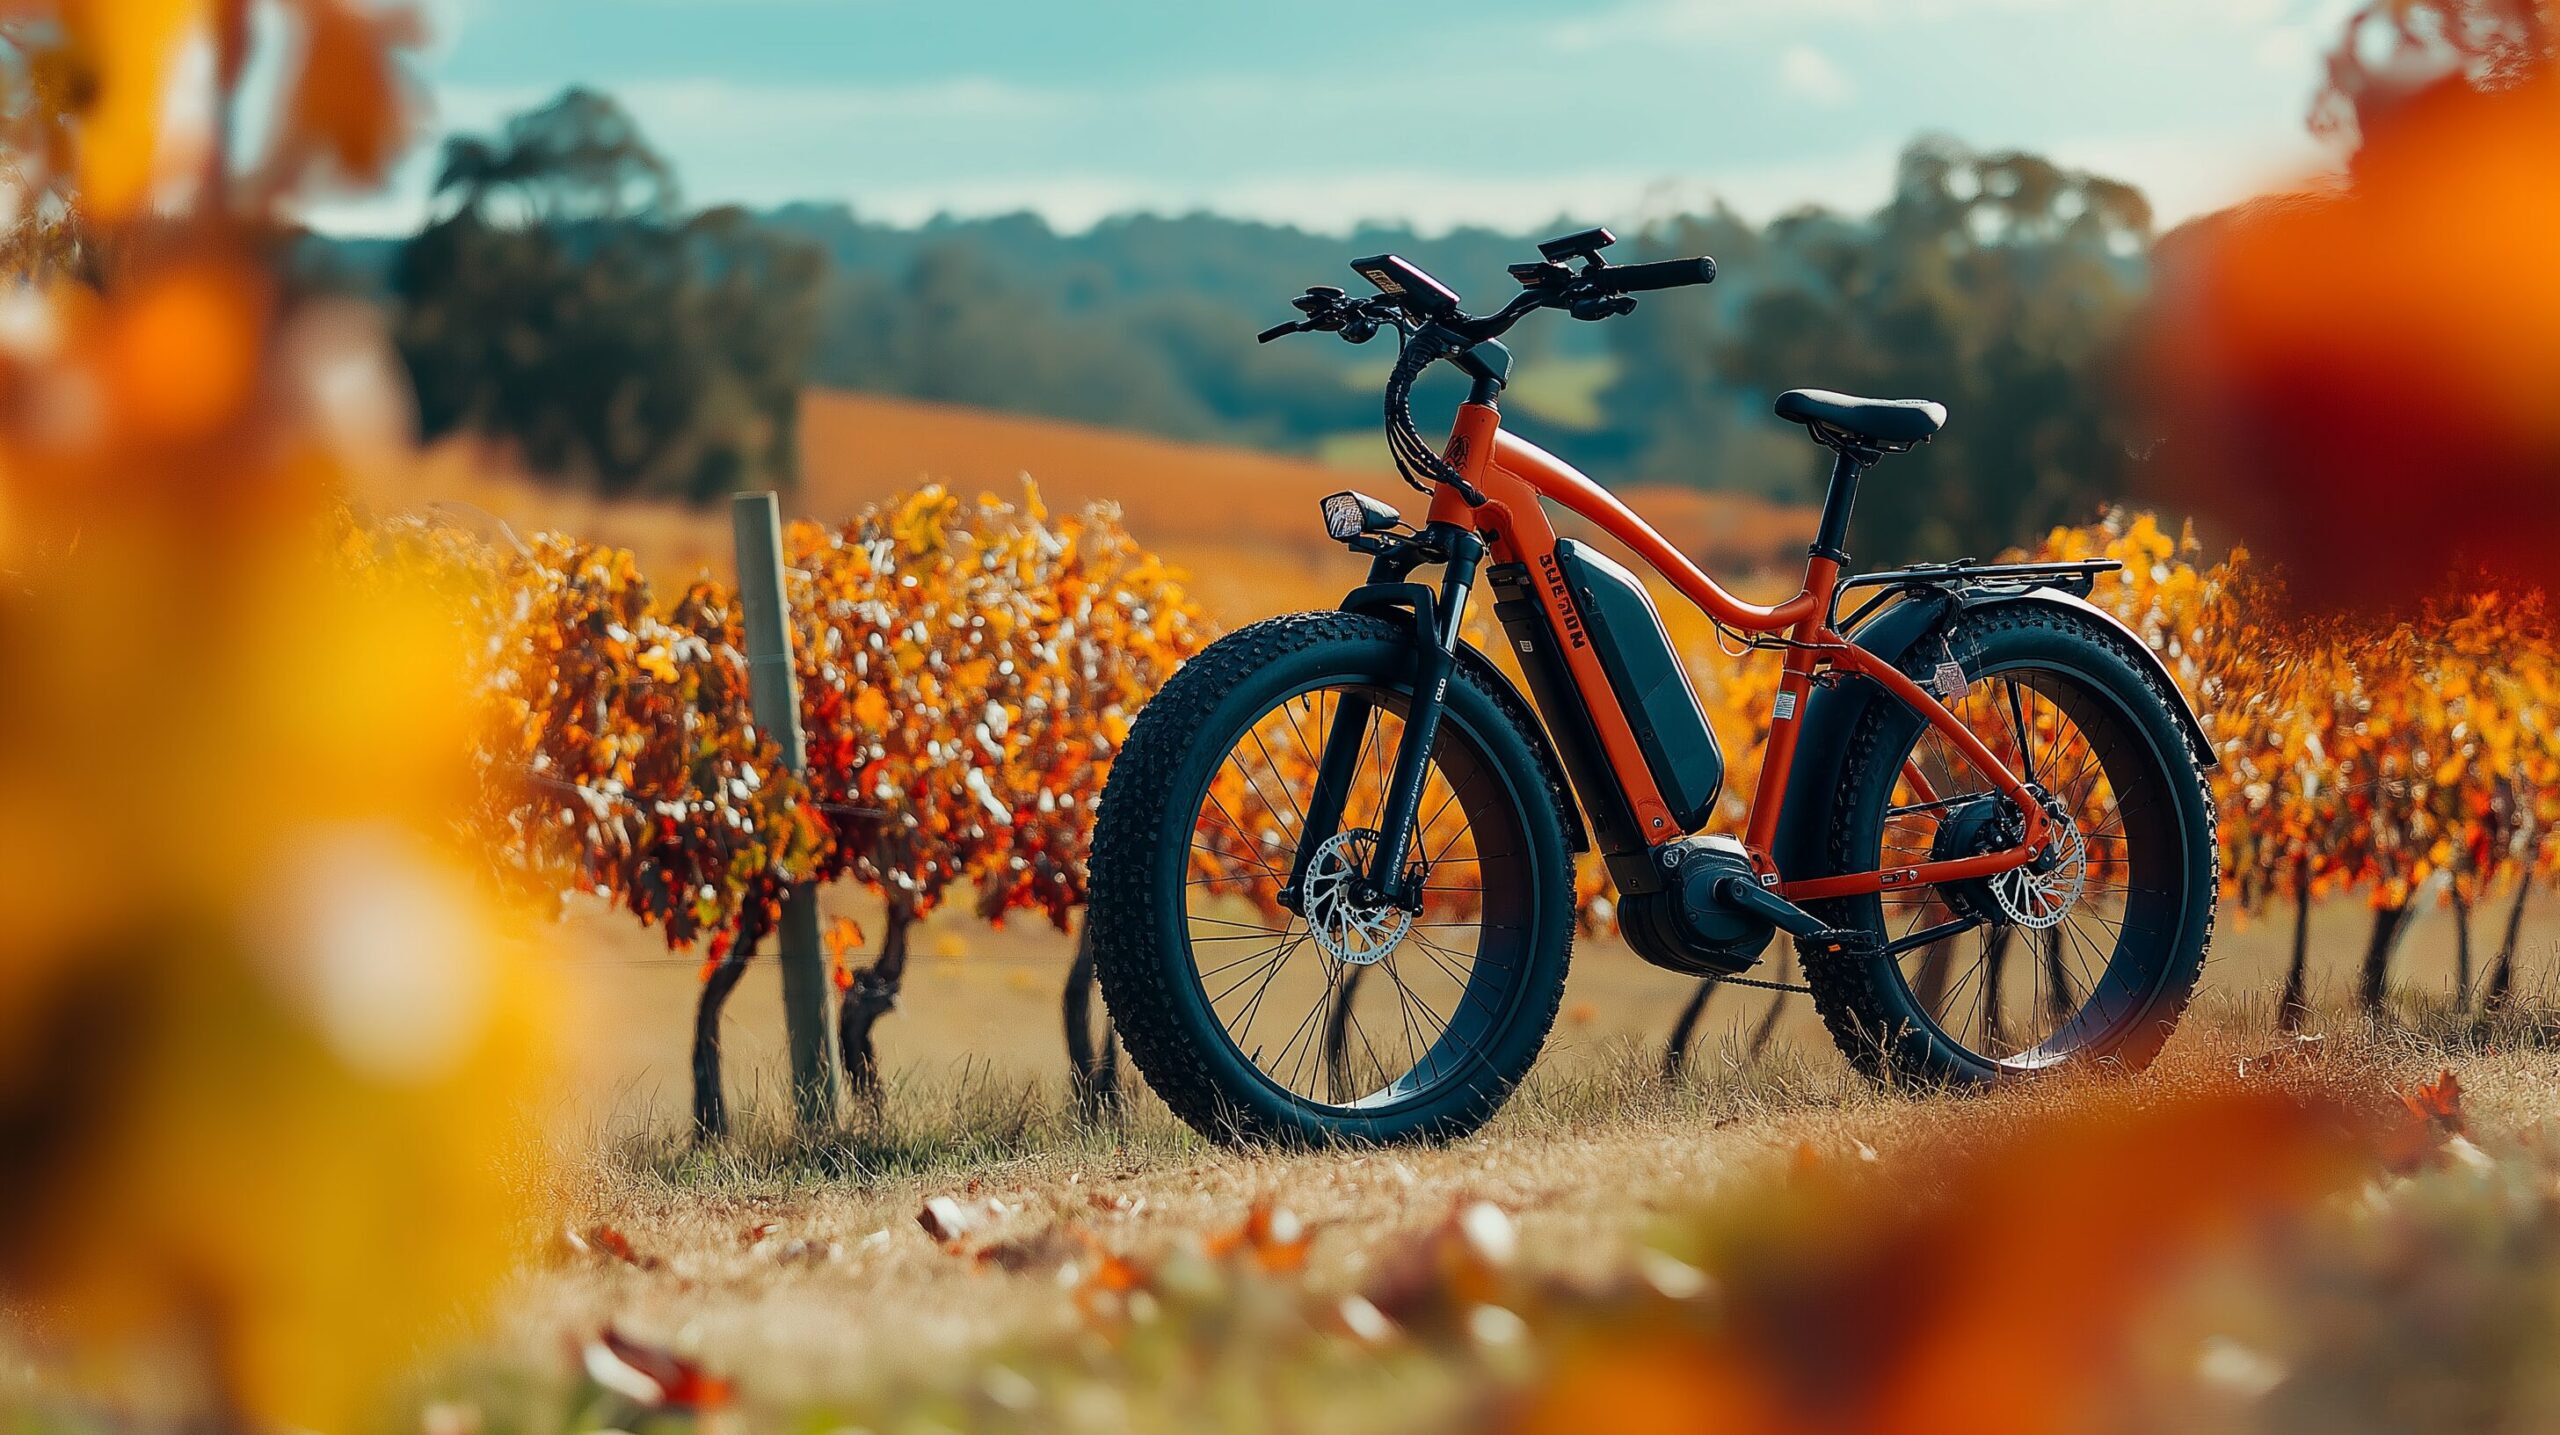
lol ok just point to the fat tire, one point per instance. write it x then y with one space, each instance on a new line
1146 973
1865 1001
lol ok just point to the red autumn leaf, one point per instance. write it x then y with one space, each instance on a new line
1270 1236
652 1375
2439 1102
1103 1293
2431 1116
611 1241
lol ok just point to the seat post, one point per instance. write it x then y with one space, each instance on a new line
1831 540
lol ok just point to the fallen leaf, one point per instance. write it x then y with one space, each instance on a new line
1271 1237
1102 1293
651 1375
806 1251
609 1240
2431 1120
2439 1101
946 1220
1458 1265
1043 1249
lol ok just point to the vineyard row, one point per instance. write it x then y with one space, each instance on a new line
968 668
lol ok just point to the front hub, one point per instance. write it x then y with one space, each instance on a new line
1344 917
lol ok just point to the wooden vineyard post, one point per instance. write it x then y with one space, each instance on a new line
775 695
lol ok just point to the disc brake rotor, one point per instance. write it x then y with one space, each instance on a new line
2038 900
1348 929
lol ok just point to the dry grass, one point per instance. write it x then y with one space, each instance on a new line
847 1295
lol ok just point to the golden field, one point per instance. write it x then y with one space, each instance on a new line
1241 523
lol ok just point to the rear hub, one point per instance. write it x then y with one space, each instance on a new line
2035 896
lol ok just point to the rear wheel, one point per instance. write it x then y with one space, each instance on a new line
2092 956
1339 1019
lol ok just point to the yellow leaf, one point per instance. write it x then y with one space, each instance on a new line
130 49
871 709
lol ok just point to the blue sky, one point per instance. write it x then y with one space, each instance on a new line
1326 112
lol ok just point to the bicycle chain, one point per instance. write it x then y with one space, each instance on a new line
1832 944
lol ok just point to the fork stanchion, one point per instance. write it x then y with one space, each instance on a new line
774 693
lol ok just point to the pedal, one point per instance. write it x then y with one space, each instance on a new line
1839 944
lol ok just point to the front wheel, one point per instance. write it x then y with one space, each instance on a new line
2090 957
1327 1019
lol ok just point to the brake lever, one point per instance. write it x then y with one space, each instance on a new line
1602 306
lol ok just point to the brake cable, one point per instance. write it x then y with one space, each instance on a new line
1414 459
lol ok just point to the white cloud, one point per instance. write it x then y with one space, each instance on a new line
1808 74
2288 49
445 21
1654 22
2186 173
673 106
1658 22
1337 201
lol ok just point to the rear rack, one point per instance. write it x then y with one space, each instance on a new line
2077 577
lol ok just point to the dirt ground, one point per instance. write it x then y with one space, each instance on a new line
813 1285
987 1000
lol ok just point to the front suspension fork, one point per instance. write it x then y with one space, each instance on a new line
1435 653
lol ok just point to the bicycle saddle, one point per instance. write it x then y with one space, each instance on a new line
1894 422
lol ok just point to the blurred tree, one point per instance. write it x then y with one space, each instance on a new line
1995 282
957 326
2391 51
43 237
579 159
562 303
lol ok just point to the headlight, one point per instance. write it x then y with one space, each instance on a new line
1349 515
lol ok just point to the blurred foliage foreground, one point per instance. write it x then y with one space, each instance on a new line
262 1060
265 1061
2294 1247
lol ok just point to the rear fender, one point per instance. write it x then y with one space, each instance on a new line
2188 722
1832 713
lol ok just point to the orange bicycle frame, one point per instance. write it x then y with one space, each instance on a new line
1514 476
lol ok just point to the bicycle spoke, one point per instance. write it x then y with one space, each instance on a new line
1304 1027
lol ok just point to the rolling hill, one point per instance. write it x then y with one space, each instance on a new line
1243 522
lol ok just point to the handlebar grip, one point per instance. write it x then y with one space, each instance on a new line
1277 331
1662 274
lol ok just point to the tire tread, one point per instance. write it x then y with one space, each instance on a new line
1850 996
1145 1008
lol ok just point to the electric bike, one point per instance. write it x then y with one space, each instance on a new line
1333 874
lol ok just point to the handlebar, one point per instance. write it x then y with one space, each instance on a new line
1662 274
1426 316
